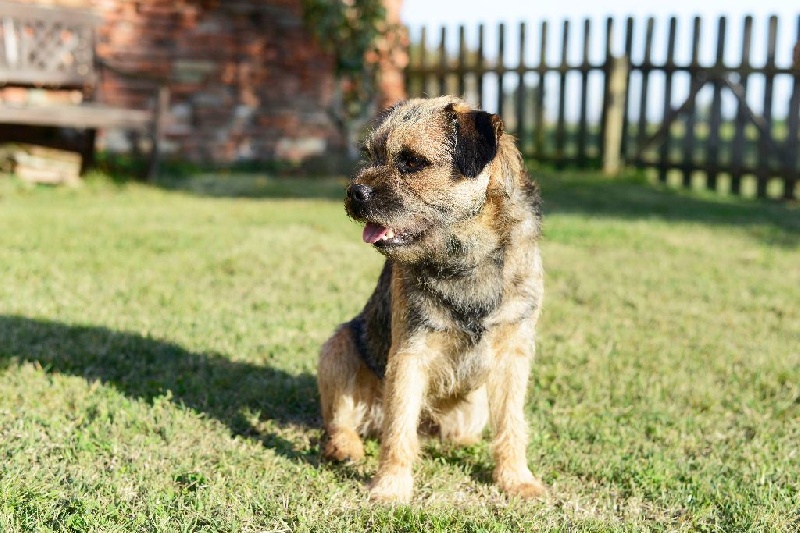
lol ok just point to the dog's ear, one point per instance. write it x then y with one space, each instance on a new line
476 136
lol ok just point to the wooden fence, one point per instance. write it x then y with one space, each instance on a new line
736 139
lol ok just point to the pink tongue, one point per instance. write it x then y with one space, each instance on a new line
373 233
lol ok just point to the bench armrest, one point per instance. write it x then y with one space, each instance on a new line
110 66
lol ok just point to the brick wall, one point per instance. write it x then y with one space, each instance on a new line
247 81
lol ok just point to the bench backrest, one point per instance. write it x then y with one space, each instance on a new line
46 46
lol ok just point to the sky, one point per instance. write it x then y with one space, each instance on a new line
451 13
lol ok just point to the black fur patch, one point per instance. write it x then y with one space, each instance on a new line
372 327
377 365
475 140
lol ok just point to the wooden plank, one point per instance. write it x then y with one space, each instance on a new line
539 134
561 129
462 54
82 116
714 142
157 132
583 133
501 63
740 123
607 66
792 142
646 68
423 61
691 114
666 145
479 66
764 172
612 154
626 106
443 61
39 78
48 13
520 93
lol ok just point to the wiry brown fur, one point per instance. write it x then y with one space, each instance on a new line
447 337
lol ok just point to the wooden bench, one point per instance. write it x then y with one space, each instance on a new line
53 48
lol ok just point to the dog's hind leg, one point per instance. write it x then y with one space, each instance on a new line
350 397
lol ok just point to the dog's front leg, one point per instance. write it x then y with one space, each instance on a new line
507 386
404 390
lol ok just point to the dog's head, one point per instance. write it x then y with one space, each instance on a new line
427 167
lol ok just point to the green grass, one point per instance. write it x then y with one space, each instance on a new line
158 347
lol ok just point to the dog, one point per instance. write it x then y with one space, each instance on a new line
446 339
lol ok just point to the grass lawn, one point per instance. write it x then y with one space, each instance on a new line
158 351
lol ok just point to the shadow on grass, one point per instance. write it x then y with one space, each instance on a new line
564 192
256 186
631 198
146 368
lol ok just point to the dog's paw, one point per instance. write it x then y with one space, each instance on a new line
344 445
392 488
520 484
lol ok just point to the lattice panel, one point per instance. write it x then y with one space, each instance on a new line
41 45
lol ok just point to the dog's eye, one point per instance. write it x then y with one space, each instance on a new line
364 153
409 163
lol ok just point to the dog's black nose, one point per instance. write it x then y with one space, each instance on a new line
358 192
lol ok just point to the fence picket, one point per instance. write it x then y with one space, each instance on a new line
500 68
462 55
583 130
443 61
646 68
479 66
561 124
626 113
690 123
737 151
707 145
763 170
521 98
715 120
792 142
669 68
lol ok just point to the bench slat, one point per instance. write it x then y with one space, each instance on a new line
76 116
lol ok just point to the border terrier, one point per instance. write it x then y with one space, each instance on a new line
446 340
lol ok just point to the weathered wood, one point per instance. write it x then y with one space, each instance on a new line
157 133
763 173
88 115
690 123
462 54
740 125
479 66
539 134
555 142
792 141
36 164
646 68
606 67
626 113
664 152
501 64
561 121
583 132
443 70
54 47
715 119
520 92
612 146
423 61
46 45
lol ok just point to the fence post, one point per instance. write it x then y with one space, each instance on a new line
615 111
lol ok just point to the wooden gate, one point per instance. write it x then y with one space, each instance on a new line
750 151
